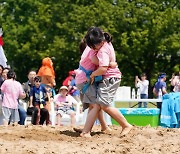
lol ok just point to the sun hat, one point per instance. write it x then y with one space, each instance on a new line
64 87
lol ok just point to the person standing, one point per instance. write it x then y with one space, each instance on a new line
160 88
21 110
143 85
47 74
175 82
100 42
12 91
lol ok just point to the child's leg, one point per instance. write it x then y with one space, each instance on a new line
38 114
102 121
5 123
47 115
92 115
73 118
6 115
115 114
58 119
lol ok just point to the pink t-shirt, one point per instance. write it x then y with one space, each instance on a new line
58 98
106 54
85 62
11 90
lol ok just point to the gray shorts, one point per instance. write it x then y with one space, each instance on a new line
10 115
89 97
106 91
62 112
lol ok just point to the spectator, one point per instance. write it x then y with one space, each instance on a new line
175 82
160 86
67 81
64 105
47 74
37 100
73 90
1 78
12 91
27 87
22 112
4 73
143 85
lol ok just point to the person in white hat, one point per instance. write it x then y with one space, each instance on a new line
64 105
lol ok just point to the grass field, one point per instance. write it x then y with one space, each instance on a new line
127 105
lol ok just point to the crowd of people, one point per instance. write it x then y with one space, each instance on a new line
38 93
94 84
159 88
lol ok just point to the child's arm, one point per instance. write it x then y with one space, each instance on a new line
95 61
113 64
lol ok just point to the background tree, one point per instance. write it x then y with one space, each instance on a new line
145 33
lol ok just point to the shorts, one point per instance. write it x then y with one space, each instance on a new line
89 97
10 115
106 91
64 111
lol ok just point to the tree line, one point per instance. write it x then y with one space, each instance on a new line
145 34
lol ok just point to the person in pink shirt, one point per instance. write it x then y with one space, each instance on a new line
100 42
88 64
12 91
64 105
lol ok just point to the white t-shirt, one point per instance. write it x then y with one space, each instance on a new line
143 85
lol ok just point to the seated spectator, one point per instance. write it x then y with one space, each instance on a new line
12 91
67 81
73 90
37 102
64 105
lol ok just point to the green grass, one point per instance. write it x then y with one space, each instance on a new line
127 105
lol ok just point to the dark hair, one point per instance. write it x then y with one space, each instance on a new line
37 78
95 35
2 67
143 74
11 74
6 68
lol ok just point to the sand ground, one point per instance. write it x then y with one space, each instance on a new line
57 140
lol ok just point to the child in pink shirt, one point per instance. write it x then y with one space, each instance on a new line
100 42
64 105
12 90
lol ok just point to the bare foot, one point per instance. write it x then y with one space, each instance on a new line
126 130
87 135
107 130
78 130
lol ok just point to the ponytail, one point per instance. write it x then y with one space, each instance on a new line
108 37
82 45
